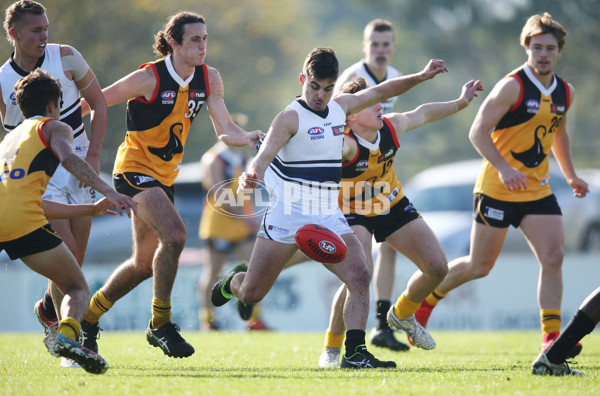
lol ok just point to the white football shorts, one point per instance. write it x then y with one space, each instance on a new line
281 227
64 187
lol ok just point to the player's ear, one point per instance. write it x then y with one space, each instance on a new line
13 33
301 78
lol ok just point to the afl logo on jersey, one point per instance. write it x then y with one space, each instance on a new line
168 97
316 133
532 106
362 165
13 98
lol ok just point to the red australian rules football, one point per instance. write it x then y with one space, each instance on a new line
321 244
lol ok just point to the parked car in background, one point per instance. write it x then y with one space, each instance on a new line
444 196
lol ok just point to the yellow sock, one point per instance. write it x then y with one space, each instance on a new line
161 312
405 307
207 316
435 297
550 319
70 328
333 340
99 305
255 313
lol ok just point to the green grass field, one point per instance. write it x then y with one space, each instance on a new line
264 363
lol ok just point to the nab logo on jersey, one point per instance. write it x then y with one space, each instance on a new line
197 95
557 109
168 97
316 133
532 106
337 130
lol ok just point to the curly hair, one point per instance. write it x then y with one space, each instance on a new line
35 91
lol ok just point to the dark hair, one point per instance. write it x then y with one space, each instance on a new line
321 63
378 25
16 11
355 85
542 24
35 91
174 29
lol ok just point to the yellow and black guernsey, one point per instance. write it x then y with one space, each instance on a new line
216 222
369 185
524 137
157 129
26 165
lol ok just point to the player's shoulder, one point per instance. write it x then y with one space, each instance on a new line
510 84
52 125
212 72
66 50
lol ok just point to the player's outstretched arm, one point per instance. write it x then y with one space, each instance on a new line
353 103
227 131
58 210
137 84
430 112
60 137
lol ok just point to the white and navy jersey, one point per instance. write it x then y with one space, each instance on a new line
361 69
308 169
70 112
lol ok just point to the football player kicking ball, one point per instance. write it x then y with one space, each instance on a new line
301 161
29 156
374 204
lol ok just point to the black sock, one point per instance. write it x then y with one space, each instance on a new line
48 307
579 326
354 338
383 306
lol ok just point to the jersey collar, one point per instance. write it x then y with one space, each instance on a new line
22 72
545 91
183 83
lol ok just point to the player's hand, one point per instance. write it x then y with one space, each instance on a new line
247 181
122 203
469 90
102 207
580 187
433 68
513 179
254 137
